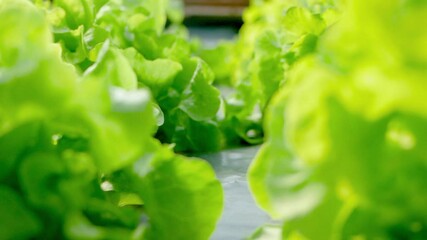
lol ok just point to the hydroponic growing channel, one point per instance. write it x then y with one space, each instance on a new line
104 105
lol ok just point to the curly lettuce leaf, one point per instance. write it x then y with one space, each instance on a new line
176 192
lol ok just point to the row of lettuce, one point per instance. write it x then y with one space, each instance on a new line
338 88
127 43
91 89
84 88
345 153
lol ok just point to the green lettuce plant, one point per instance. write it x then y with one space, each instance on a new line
128 42
77 155
275 34
345 153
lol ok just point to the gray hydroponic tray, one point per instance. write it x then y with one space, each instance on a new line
241 215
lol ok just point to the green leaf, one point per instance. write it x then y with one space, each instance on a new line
197 132
129 120
157 74
78 12
36 174
29 66
299 21
176 193
13 144
220 60
95 36
16 221
200 99
73 44
111 64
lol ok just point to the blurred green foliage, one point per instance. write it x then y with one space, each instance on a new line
345 154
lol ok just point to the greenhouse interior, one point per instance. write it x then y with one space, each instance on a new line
213 119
